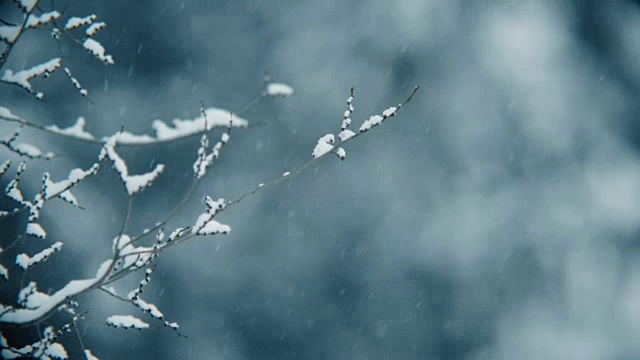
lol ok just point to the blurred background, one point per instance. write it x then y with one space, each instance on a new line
497 217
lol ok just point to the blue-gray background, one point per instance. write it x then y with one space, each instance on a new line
496 218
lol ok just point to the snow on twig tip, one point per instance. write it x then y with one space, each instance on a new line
94 28
89 355
22 77
98 51
35 229
26 262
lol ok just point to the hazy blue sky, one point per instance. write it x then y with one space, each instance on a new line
497 217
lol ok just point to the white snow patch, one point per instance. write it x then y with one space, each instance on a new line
27 5
36 230
7 114
61 188
22 77
373 121
126 321
44 304
389 112
98 51
205 225
76 130
149 308
279 89
133 183
34 20
94 28
346 134
125 137
324 145
31 151
9 33
25 262
75 21
182 128
89 355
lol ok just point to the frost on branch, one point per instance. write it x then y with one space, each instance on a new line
22 77
98 51
126 322
133 183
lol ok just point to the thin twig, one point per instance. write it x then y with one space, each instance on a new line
305 166
5 55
